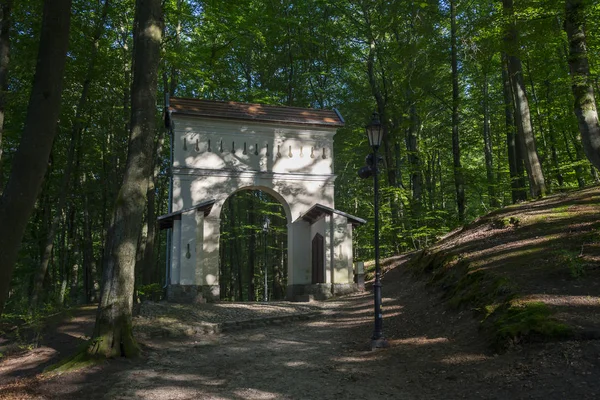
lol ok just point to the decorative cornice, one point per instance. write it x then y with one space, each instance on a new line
254 174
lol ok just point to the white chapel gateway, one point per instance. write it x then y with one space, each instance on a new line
220 148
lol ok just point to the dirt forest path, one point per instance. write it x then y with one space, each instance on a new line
434 354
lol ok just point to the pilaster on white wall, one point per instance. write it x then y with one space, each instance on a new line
290 259
187 274
199 271
299 264
212 225
349 250
342 257
328 250
175 252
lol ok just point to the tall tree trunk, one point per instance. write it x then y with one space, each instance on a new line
574 160
487 145
113 334
458 173
5 7
539 121
517 180
88 249
416 179
72 260
147 260
537 185
76 132
252 245
381 100
552 139
430 181
438 175
31 159
583 92
232 273
235 214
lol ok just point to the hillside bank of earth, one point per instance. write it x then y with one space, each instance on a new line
529 271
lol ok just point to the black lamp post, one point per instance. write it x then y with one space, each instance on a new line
266 226
375 133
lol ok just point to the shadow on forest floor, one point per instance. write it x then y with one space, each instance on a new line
546 251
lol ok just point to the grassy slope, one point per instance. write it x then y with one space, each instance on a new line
529 271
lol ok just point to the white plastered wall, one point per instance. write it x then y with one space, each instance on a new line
342 250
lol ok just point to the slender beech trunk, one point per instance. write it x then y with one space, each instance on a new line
381 100
113 334
174 71
538 117
252 245
31 159
89 263
416 178
232 275
147 262
76 132
430 181
5 7
537 185
458 173
583 92
552 139
290 89
574 159
235 213
73 257
515 163
412 138
487 144
440 175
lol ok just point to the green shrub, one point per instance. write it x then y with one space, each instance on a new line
526 321
572 261
152 292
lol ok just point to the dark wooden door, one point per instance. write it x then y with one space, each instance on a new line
318 259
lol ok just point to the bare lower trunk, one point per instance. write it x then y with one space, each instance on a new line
113 334
583 92
31 159
148 261
5 7
88 249
526 138
251 247
515 162
416 179
459 183
553 141
487 142
76 132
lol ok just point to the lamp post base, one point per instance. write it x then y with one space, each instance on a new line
380 343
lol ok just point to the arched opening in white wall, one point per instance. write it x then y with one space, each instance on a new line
253 249
219 148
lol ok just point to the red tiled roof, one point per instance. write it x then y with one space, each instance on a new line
255 112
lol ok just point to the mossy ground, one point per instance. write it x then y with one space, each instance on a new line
514 322
81 359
